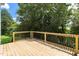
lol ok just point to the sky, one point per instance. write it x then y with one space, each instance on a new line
12 9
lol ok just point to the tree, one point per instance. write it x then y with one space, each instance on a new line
6 21
43 17
75 21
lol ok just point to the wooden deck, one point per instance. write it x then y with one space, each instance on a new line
29 47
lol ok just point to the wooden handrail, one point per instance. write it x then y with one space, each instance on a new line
22 32
57 34
49 33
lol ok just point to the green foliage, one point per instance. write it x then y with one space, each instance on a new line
75 21
12 27
7 23
43 17
6 39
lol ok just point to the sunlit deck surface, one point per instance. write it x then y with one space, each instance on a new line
30 47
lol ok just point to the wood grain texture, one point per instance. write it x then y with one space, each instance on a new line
29 47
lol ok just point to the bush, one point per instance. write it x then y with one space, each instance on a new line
6 39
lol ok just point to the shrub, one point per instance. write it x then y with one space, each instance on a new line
6 39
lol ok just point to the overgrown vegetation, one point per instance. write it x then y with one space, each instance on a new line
7 23
43 17
7 26
49 18
53 17
6 39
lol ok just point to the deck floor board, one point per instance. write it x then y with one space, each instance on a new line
29 48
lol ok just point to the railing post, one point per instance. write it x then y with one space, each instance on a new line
31 34
76 43
13 36
44 37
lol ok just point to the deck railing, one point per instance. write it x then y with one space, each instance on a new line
55 34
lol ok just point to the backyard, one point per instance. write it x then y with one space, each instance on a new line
57 23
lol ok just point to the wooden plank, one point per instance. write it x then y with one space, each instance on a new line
57 34
45 37
15 51
31 34
1 50
29 48
5 50
22 32
13 37
76 43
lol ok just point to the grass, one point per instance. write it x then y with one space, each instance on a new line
5 39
